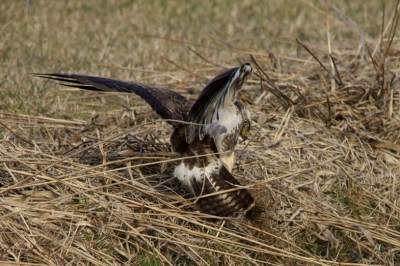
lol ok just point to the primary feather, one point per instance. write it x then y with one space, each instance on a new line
167 103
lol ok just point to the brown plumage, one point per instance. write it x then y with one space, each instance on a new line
227 197
207 145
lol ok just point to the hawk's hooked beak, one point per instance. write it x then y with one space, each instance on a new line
245 132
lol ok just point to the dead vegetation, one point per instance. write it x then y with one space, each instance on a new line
323 166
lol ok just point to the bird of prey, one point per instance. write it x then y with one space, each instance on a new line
205 133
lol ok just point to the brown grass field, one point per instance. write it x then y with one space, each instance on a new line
86 178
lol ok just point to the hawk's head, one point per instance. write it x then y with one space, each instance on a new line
245 130
246 121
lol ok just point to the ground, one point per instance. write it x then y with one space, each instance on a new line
86 178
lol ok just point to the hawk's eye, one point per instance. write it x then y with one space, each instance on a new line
246 122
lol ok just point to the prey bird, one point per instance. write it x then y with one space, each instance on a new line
205 133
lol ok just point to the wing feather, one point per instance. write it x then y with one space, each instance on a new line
166 103
219 92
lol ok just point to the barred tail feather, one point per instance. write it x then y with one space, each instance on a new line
231 203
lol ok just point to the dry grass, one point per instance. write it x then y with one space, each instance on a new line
85 178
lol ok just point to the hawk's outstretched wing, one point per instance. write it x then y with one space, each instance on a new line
216 97
167 103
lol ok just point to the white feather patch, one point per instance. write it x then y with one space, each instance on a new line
184 174
228 159
229 118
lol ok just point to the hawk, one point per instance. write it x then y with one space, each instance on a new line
205 133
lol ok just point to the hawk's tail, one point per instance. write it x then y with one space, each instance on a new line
221 195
